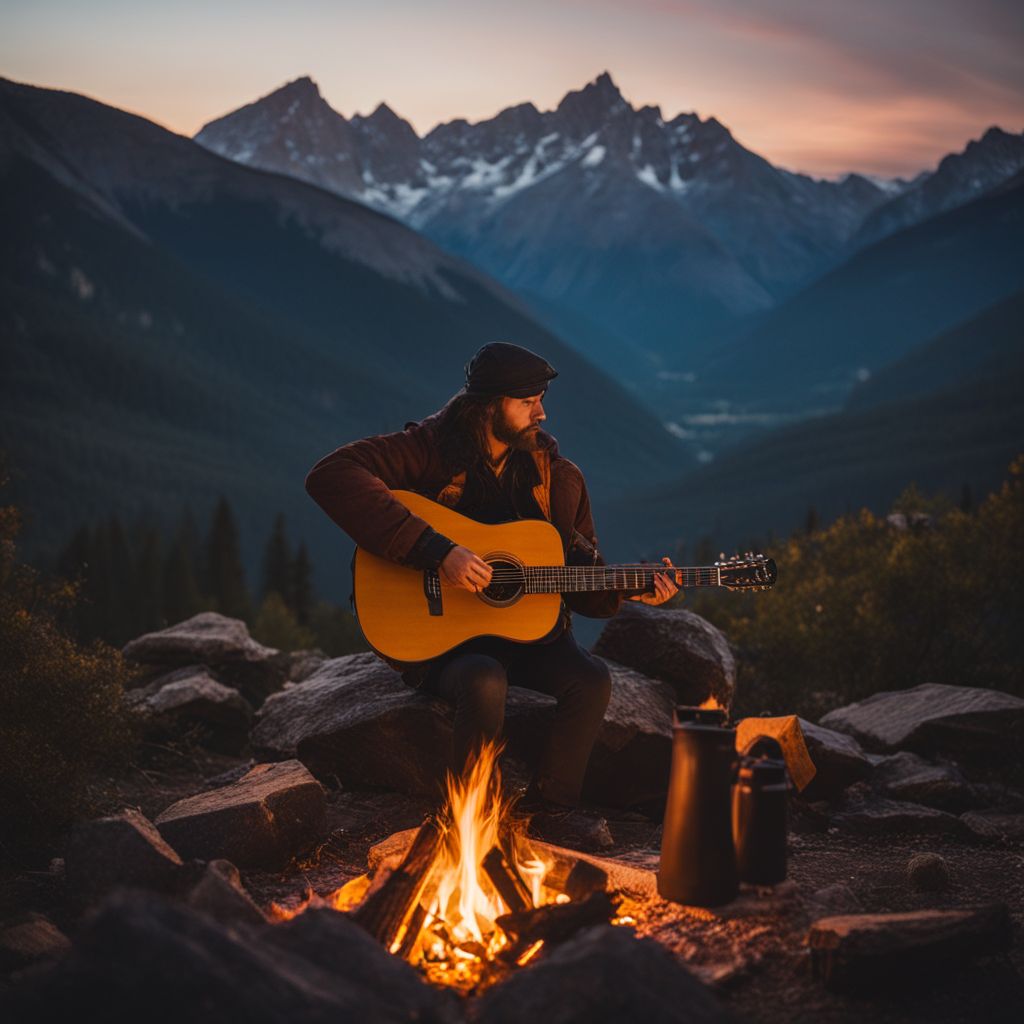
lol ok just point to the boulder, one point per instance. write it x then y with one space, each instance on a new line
191 700
934 717
354 719
29 939
995 825
675 646
860 951
302 664
123 849
876 815
145 958
604 974
838 758
907 776
220 643
218 891
263 820
629 765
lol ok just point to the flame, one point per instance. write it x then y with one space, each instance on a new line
711 705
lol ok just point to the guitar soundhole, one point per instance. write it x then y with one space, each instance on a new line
507 582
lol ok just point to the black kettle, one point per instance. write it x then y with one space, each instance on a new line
698 859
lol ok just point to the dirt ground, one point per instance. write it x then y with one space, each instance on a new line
752 953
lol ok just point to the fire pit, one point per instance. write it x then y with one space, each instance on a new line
467 898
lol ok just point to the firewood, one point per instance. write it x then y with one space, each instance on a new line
385 910
855 951
507 880
555 922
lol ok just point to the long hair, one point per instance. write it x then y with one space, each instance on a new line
462 430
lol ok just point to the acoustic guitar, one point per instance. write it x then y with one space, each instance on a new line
411 615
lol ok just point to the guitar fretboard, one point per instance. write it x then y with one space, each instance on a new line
563 579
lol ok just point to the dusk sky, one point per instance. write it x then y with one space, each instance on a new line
822 86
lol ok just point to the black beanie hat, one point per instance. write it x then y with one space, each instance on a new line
503 369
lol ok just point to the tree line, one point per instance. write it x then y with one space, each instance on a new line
140 579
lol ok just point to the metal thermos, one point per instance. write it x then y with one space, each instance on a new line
759 820
698 862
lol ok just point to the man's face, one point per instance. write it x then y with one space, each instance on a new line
516 421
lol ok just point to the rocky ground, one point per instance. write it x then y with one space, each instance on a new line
264 776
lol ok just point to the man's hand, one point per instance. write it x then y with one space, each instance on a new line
461 568
664 586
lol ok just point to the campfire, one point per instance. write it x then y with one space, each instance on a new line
471 898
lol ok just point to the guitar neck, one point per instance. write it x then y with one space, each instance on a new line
566 579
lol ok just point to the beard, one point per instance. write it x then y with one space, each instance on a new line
524 440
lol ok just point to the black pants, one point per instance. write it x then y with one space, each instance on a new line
475 678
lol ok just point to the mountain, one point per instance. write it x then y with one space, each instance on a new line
665 231
872 310
962 433
984 346
960 177
176 326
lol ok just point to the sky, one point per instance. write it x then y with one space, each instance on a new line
882 87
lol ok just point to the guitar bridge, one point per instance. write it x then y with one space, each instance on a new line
432 591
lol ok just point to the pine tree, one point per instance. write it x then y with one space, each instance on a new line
149 583
302 585
224 565
181 597
121 623
277 563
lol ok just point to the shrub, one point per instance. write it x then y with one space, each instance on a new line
870 604
61 717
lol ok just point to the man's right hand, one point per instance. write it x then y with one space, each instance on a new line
461 568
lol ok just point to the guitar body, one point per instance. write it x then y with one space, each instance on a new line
394 610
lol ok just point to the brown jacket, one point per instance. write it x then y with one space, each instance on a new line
353 484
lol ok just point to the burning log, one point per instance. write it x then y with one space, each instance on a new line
554 923
507 880
387 908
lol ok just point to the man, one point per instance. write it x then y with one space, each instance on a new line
485 455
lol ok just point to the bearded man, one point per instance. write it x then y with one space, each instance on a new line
485 455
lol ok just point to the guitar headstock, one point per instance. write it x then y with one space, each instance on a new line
747 572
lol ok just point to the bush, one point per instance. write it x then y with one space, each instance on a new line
871 604
61 717
277 626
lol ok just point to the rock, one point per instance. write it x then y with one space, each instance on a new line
877 815
675 646
629 766
302 664
930 717
264 819
928 872
837 898
995 825
605 974
906 776
860 951
29 939
218 891
356 720
145 958
191 699
839 761
123 849
220 643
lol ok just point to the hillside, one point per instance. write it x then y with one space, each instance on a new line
176 326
